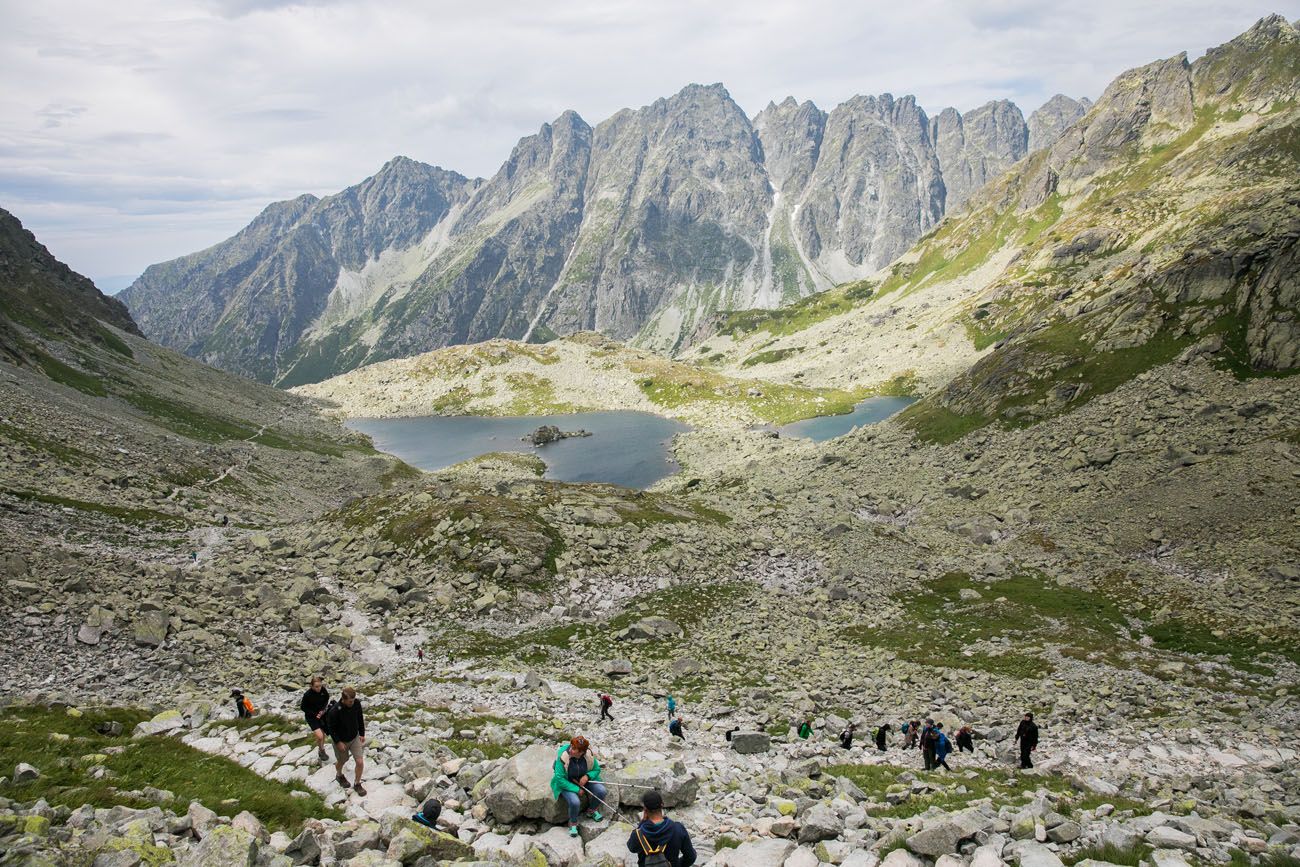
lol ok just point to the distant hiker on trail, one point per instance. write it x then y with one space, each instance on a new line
965 740
942 748
806 729
428 815
346 724
846 737
243 707
419 654
881 733
605 702
657 841
929 745
313 704
911 734
672 708
675 728
1027 737
577 772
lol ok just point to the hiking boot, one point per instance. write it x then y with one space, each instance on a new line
596 816
573 830
320 754
359 789
343 781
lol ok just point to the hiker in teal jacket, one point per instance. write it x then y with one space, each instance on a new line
577 770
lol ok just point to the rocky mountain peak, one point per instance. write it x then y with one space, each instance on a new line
1052 118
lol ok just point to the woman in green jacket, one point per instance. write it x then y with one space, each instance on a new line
577 770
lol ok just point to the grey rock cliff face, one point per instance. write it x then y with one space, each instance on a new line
640 228
1052 118
976 147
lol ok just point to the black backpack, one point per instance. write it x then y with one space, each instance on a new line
328 715
653 857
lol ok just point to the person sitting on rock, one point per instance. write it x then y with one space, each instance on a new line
881 743
965 740
577 771
656 835
313 704
675 728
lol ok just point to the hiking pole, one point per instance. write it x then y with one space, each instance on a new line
628 785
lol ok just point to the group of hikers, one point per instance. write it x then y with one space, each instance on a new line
576 776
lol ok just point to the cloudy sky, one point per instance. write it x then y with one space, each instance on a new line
136 131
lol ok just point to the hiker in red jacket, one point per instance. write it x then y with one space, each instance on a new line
605 703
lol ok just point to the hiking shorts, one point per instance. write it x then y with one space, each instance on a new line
312 722
353 747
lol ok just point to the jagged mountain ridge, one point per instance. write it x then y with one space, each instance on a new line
639 227
1161 226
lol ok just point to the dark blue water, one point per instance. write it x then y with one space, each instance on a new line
625 448
826 427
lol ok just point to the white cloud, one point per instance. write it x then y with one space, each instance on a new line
146 129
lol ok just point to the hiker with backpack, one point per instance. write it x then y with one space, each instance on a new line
672 708
806 729
881 733
605 702
929 744
243 705
1027 737
965 740
846 737
346 724
313 704
675 728
942 747
658 841
577 772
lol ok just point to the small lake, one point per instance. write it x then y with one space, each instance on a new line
625 448
826 427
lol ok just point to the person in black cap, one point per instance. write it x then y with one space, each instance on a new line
657 837
428 815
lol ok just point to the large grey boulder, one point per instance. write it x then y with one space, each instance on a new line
150 628
755 853
1033 854
223 846
653 627
677 786
942 836
750 743
521 788
25 773
819 823
1166 837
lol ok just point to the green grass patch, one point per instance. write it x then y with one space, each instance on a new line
801 314
770 356
935 423
66 748
142 516
86 383
1002 786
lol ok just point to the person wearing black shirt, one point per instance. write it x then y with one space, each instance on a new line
1027 737
881 734
660 835
313 704
347 727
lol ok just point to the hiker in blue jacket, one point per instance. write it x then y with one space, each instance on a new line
941 749
659 837
672 708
